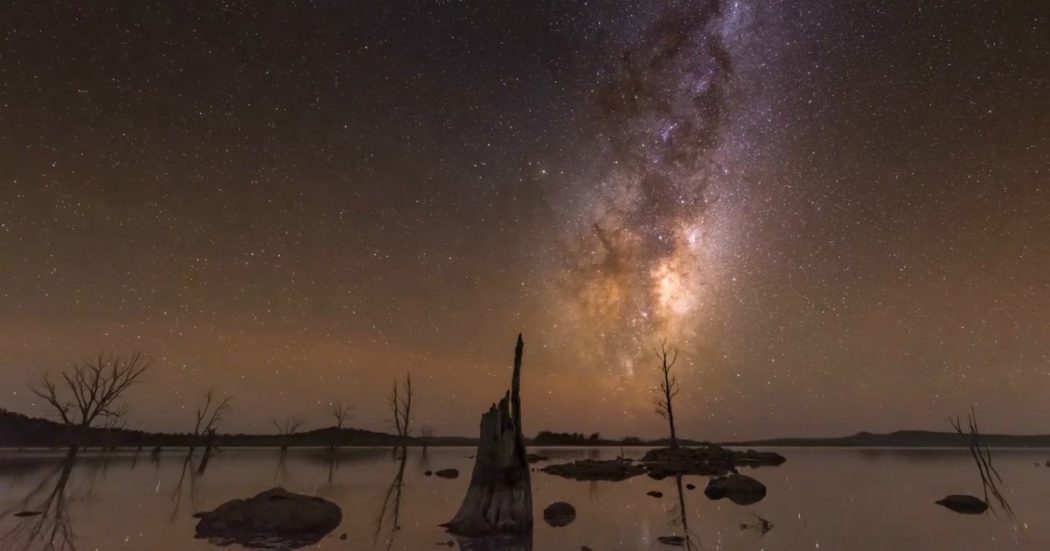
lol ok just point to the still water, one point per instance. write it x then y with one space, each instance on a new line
820 499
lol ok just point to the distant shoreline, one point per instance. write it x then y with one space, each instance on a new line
18 431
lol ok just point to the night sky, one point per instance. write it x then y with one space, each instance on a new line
839 212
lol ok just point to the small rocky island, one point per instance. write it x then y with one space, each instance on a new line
706 460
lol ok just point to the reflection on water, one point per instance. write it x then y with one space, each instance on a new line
831 498
41 518
390 511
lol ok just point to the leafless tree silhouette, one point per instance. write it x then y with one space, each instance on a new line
210 414
982 457
90 389
400 401
667 389
340 412
287 427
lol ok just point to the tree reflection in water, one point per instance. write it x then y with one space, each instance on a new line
43 515
681 518
390 510
176 495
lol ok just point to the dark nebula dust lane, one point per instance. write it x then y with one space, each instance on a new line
836 212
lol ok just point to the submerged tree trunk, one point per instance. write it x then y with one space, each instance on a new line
499 499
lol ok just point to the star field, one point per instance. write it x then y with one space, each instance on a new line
839 213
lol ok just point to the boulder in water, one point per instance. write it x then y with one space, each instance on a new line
740 489
559 514
274 518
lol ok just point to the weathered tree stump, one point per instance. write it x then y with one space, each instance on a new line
499 499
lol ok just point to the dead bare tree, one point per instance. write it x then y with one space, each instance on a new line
499 498
400 401
210 414
341 412
982 457
90 390
667 389
208 417
288 427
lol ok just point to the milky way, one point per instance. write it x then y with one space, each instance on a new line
643 261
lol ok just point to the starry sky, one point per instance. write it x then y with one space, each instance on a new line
838 212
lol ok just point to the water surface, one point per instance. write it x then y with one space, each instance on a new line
850 499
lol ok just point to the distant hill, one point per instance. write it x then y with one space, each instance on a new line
17 430
906 439
21 431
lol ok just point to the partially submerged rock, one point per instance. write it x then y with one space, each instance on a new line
654 493
965 504
612 470
677 541
559 514
447 473
275 518
707 460
740 489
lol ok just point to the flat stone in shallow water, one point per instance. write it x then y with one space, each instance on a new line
274 519
967 505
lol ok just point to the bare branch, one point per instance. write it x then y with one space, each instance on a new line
341 413
95 385
288 426
400 401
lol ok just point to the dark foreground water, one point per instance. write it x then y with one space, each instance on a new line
820 499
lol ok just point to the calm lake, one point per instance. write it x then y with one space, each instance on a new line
834 499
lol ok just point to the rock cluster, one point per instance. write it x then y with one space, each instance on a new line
612 470
709 460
